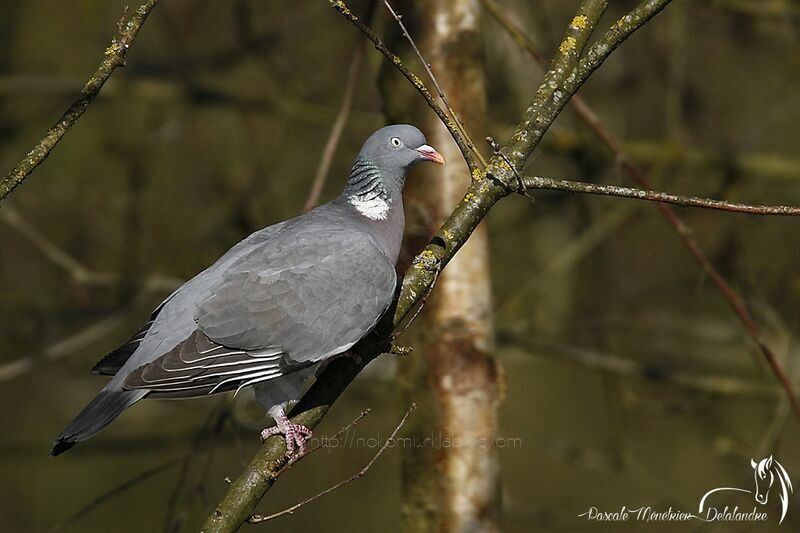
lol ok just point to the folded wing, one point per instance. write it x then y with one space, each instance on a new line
276 310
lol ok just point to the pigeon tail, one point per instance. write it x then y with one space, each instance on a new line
100 412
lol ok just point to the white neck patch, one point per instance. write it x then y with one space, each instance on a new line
374 209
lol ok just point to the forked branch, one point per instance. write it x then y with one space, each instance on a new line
587 114
488 187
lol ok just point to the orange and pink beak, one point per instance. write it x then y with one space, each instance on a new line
429 154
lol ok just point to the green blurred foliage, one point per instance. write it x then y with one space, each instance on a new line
215 129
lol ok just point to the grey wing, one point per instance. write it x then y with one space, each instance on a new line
173 320
112 362
276 310
311 298
199 366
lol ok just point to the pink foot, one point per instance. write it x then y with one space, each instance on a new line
295 435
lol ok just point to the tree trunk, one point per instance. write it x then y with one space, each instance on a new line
458 373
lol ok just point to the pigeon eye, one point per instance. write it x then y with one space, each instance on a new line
395 141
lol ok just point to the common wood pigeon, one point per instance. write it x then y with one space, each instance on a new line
276 306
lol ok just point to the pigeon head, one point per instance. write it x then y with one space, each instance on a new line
379 171
395 148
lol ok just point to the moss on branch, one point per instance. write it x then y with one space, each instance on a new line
113 57
489 186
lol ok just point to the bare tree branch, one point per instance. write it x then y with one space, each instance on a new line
82 275
74 268
63 348
337 128
639 368
325 442
72 344
418 84
119 489
128 29
460 125
537 182
586 113
257 519
77 271
486 189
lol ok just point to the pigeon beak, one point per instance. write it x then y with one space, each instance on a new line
429 154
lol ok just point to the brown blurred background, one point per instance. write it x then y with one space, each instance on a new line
628 379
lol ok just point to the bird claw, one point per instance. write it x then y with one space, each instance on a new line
294 435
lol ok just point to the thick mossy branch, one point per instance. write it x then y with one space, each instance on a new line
114 57
487 187
553 93
558 87
619 31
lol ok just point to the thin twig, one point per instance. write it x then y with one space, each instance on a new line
639 367
481 195
257 519
587 114
521 38
342 430
537 182
72 344
336 130
64 347
119 489
78 272
65 261
202 446
324 443
460 125
341 7
114 57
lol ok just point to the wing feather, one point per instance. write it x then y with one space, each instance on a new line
179 373
281 307
311 308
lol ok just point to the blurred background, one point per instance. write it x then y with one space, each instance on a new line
626 379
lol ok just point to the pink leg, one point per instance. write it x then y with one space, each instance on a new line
295 435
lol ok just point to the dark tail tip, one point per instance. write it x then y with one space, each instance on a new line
100 412
60 446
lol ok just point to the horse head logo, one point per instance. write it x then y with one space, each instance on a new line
766 472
